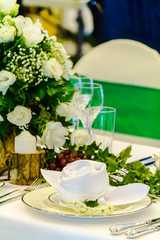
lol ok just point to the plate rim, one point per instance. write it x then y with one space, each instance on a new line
76 214
2 183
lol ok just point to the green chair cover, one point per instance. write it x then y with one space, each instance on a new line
137 108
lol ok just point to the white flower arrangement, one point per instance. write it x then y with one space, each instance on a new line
34 75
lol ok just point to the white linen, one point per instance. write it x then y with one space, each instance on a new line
88 180
79 180
18 221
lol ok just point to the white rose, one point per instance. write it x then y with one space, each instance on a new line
6 6
54 135
68 71
1 118
80 137
38 24
32 35
66 110
22 22
80 180
52 69
7 33
6 79
19 116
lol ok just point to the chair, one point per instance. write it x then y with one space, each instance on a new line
130 74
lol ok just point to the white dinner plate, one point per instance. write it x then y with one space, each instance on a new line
38 199
1 183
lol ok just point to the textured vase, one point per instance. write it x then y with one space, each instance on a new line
6 147
25 168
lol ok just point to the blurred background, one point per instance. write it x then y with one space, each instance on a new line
83 24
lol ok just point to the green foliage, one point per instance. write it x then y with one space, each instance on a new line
91 204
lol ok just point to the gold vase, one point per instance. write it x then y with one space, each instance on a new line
6 147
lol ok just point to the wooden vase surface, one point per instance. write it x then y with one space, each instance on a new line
23 169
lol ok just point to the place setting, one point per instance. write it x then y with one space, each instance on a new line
82 190
56 141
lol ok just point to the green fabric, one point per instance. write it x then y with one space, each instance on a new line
138 108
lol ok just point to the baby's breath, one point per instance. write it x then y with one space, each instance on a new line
26 65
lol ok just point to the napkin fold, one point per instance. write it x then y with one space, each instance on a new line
130 193
87 179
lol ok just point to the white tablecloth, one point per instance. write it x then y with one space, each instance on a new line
18 221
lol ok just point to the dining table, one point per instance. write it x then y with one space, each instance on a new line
19 221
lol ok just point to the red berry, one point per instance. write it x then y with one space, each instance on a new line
54 160
73 155
52 166
70 160
60 156
58 169
63 162
77 158
66 157
81 155
67 152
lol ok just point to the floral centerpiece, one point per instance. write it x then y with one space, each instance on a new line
34 75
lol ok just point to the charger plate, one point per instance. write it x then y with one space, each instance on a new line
38 199
1 183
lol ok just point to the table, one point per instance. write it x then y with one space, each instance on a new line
19 221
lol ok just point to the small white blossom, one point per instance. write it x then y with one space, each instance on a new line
66 110
19 116
54 135
53 69
68 71
80 137
1 118
6 79
6 6
7 33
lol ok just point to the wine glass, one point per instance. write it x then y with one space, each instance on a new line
73 80
80 79
103 127
88 95
95 105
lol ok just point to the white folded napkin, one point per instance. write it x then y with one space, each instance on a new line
86 179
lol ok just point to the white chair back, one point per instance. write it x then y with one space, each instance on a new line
122 61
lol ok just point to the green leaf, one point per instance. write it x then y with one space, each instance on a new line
15 10
91 204
125 153
51 91
112 165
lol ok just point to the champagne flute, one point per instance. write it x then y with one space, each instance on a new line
86 96
80 79
95 105
73 80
